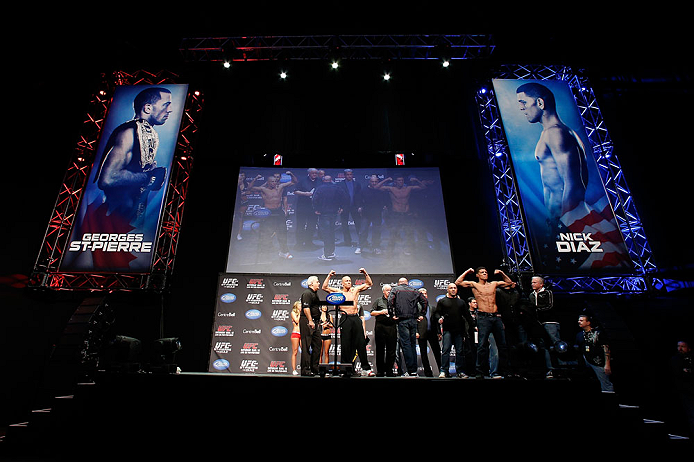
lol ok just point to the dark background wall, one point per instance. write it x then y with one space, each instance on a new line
638 66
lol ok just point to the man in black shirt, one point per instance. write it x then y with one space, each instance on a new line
596 351
373 203
405 309
306 219
352 190
308 326
454 317
385 335
328 202
429 333
542 299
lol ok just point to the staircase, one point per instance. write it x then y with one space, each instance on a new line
131 414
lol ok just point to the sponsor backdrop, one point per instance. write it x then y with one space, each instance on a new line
252 321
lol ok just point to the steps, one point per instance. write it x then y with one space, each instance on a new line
130 414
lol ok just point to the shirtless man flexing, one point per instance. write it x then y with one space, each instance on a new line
352 333
488 316
271 192
399 215
559 151
400 192
350 292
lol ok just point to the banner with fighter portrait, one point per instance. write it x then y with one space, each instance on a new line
571 224
118 216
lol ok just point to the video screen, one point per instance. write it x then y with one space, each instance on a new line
571 223
299 220
116 225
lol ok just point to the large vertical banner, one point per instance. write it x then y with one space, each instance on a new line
571 224
116 225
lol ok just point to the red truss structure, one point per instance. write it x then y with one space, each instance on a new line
46 272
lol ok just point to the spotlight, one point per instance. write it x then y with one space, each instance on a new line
283 75
122 354
227 64
532 347
164 355
561 347
446 63
386 76
334 65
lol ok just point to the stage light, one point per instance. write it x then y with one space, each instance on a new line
227 64
122 354
446 63
283 75
334 65
532 347
561 347
386 76
164 355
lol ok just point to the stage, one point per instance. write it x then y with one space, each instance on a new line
135 414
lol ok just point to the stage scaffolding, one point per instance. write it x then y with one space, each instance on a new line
46 272
325 47
513 229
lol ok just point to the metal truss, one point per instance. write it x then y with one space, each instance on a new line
322 47
46 272
510 211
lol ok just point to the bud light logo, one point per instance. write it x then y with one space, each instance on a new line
228 298
304 283
440 297
253 314
335 299
416 283
279 331
221 364
261 212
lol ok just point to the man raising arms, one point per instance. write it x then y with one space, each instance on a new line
488 316
352 329
276 221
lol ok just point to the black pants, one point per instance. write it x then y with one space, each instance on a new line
352 338
433 341
306 224
310 347
386 338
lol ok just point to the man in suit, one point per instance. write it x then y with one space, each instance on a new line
352 190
